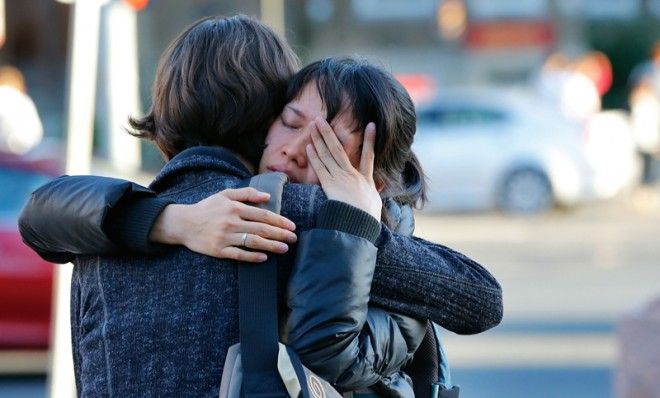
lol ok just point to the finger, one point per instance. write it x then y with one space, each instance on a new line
322 151
235 253
317 165
267 231
246 195
368 156
252 213
256 242
333 144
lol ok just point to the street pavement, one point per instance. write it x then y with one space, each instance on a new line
568 277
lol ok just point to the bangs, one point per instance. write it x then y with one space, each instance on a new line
343 87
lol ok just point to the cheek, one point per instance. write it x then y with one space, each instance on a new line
273 142
310 177
266 159
354 157
354 151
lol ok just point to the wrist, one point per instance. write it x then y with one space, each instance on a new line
376 212
129 223
168 225
372 207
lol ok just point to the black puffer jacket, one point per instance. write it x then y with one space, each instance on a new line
330 326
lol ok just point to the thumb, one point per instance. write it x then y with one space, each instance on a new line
367 158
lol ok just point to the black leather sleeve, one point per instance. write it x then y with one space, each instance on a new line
330 325
82 214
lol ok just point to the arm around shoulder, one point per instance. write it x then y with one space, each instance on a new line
430 281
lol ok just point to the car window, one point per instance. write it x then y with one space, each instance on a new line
460 116
17 185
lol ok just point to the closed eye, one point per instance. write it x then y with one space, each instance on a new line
289 125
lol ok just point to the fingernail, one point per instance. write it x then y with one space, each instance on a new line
282 247
262 257
292 238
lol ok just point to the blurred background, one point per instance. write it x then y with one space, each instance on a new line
538 127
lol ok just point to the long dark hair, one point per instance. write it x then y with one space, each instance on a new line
372 95
221 82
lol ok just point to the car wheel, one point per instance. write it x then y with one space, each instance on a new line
525 191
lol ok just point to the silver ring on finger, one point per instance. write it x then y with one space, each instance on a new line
244 238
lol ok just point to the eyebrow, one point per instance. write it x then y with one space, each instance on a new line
298 112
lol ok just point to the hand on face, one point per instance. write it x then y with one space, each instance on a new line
339 178
290 134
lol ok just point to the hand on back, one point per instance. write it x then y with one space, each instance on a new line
223 226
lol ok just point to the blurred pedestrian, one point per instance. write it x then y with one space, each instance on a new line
20 125
644 101
551 77
569 86
597 67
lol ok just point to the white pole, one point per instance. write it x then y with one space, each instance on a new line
122 84
3 30
80 121
82 85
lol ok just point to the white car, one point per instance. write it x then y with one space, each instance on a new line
505 149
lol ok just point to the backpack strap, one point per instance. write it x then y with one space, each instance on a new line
443 388
258 315
429 368
423 369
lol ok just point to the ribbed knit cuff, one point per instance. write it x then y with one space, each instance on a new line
343 217
130 224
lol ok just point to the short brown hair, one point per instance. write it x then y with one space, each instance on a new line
221 82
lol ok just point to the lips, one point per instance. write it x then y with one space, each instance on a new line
279 169
274 168
284 170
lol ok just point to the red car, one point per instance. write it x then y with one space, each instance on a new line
25 279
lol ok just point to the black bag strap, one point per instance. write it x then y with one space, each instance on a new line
429 369
443 388
258 315
423 369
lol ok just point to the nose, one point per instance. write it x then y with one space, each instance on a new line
295 151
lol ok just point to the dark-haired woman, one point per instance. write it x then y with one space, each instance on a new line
146 312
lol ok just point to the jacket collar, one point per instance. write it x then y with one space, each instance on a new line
213 161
